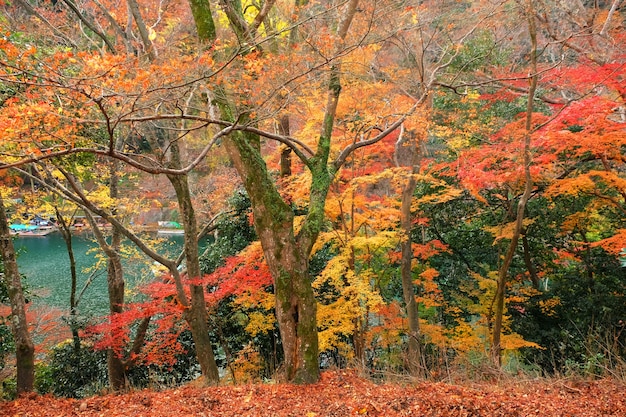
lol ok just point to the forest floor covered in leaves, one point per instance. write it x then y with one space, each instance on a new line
344 393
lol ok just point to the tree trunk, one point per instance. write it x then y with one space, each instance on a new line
408 287
296 312
287 255
115 280
496 343
196 315
24 347
203 18
115 286
133 6
296 307
532 271
285 152
413 156
66 233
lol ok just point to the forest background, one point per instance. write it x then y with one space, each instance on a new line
433 188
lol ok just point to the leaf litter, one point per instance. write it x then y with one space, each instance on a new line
345 393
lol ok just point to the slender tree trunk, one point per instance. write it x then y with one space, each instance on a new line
115 286
408 287
66 233
115 280
496 344
285 152
532 271
196 315
413 155
24 347
133 6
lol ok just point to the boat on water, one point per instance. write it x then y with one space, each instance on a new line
36 230
170 228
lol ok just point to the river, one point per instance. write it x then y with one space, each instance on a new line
45 264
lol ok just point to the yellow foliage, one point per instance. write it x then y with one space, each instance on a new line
514 341
467 337
258 299
348 298
247 367
448 194
259 323
505 231
547 306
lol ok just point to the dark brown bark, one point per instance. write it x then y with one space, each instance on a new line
196 313
496 343
24 347
408 287
413 155
530 267
285 153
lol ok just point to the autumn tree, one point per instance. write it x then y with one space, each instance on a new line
24 347
522 177
116 139
287 250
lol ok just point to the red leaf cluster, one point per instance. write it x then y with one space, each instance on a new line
237 276
344 393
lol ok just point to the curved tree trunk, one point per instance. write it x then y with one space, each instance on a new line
496 343
24 347
196 314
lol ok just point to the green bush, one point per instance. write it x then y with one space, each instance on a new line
8 390
73 373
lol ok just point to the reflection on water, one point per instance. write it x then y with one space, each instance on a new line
45 264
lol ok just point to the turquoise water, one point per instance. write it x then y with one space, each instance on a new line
45 264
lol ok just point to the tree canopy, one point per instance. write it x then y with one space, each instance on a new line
396 184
